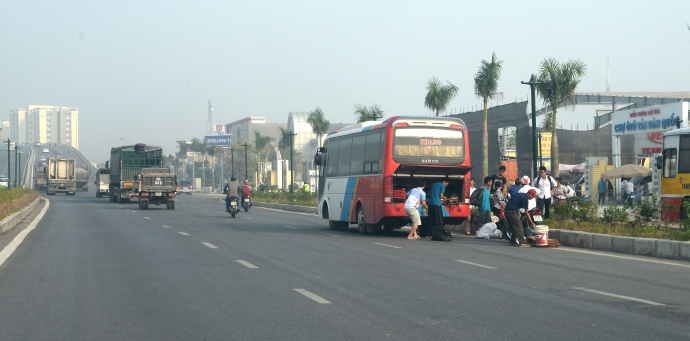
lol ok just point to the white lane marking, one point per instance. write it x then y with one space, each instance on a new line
290 227
183 233
9 249
166 226
193 206
246 218
313 296
205 209
133 211
273 209
121 206
475 264
247 264
623 257
330 234
211 246
619 296
395 247
147 218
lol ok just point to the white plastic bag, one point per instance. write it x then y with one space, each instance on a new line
486 231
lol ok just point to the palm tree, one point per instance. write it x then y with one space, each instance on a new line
319 124
438 96
284 142
182 154
558 83
485 86
364 114
260 143
197 146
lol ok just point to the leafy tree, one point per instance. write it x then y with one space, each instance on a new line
284 142
438 95
319 124
558 85
485 87
364 114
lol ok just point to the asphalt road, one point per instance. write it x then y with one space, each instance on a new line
95 270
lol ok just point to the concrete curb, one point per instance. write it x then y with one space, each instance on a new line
293 208
660 248
15 218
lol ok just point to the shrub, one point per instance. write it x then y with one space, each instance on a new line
585 211
564 210
648 208
613 213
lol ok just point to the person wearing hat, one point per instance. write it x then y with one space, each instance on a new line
525 188
517 202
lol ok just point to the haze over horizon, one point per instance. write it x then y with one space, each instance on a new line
144 72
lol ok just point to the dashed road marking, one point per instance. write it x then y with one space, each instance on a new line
330 234
623 257
166 226
393 246
247 264
183 233
620 296
211 246
147 218
315 297
246 218
205 209
290 227
475 264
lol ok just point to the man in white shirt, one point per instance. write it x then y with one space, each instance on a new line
630 190
545 184
415 198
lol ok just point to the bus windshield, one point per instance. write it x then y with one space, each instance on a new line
429 142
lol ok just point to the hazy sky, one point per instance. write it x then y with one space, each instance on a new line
144 70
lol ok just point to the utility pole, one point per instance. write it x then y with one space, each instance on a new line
8 163
246 162
232 162
16 166
292 157
532 85
19 159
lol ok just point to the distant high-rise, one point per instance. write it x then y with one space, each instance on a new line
45 124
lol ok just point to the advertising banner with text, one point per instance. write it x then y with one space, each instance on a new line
648 125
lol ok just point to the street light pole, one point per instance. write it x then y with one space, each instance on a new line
292 157
20 168
16 165
232 161
9 174
532 85
246 162
541 158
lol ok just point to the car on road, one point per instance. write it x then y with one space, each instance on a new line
4 181
185 187
37 144
46 150
42 158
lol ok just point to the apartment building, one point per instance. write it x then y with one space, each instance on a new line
45 124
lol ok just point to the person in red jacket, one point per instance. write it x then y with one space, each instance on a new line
246 191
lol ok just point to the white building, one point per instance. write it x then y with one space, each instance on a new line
45 124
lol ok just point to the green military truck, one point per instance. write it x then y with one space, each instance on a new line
125 166
156 186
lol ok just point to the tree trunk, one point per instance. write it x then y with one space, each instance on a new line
485 142
555 160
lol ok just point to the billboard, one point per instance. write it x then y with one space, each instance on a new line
222 141
219 129
546 145
648 125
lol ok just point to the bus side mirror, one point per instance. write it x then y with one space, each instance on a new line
659 162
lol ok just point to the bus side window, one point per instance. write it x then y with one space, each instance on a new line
332 161
357 155
670 163
373 151
344 157
683 160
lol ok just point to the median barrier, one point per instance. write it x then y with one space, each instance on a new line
15 218
292 208
661 248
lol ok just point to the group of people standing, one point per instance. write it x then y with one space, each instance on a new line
417 198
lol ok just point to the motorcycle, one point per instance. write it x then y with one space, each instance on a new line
245 202
234 208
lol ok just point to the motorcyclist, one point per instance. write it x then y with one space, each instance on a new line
231 190
246 191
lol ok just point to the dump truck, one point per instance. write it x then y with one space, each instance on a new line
102 182
156 186
61 173
83 179
40 177
125 166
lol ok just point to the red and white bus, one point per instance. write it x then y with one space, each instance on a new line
366 170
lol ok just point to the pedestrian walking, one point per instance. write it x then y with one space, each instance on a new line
415 198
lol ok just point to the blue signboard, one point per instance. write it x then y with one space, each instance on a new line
222 141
